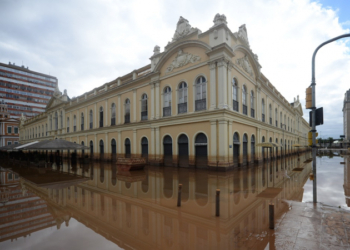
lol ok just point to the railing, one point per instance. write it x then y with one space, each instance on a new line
245 109
270 121
201 104
74 128
235 105
112 121
182 108
82 127
127 118
90 125
144 115
167 111
252 113
263 117
101 124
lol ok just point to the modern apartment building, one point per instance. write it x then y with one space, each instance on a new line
24 91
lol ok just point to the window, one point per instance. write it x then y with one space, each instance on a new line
56 121
244 100
74 123
182 104
281 119
46 129
90 119
270 114
16 130
61 117
201 94
167 102
127 111
42 130
235 94
144 108
101 117
67 125
263 110
82 121
9 143
9 130
276 114
113 114
252 110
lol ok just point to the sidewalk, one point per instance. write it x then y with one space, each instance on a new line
309 226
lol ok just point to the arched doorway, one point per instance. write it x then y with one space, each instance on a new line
183 150
245 149
144 147
201 148
236 144
271 150
276 148
168 150
127 148
114 150
101 149
252 145
91 149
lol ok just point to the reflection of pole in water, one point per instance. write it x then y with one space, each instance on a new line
347 179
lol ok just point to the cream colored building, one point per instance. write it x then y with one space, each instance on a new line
203 101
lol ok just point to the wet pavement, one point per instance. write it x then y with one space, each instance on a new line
95 206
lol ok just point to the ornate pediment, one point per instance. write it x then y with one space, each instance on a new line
245 65
243 34
181 60
183 28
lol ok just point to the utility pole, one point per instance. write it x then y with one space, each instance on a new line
313 86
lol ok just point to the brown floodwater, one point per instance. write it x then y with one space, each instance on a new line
95 206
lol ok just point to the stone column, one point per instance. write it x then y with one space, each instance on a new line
157 95
229 85
134 103
222 83
212 66
223 145
213 145
158 145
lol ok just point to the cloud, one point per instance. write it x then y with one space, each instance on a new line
88 43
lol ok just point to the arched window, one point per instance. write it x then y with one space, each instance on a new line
113 114
91 149
285 122
144 147
235 94
127 111
245 149
82 121
236 145
74 123
61 118
144 108
263 110
288 123
114 149
201 93
67 125
182 104
90 119
42 130
244 100
101 148
281 118
127 148
56 121
276 115
252 110
101 117
270 113
167 102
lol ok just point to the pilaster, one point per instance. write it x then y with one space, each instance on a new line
222 84
212 86
157 94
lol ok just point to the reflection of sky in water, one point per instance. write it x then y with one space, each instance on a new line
330 181
76 236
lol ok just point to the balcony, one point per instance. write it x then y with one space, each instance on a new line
235 105
201 104
263 117
144 116
166 111
182 108
113 121
127 118
252 113
245 109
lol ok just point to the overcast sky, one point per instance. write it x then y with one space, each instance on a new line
88 43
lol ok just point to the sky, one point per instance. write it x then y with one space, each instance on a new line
86 43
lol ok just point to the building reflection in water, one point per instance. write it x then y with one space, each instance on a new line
138 209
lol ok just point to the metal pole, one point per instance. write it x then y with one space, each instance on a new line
179 196
217 211
313 85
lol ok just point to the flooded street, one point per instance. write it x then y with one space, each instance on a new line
93 206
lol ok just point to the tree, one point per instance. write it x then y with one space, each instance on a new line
330 140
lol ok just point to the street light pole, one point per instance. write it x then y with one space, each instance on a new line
313 114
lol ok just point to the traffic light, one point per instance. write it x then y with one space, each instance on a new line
308 99
309 138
